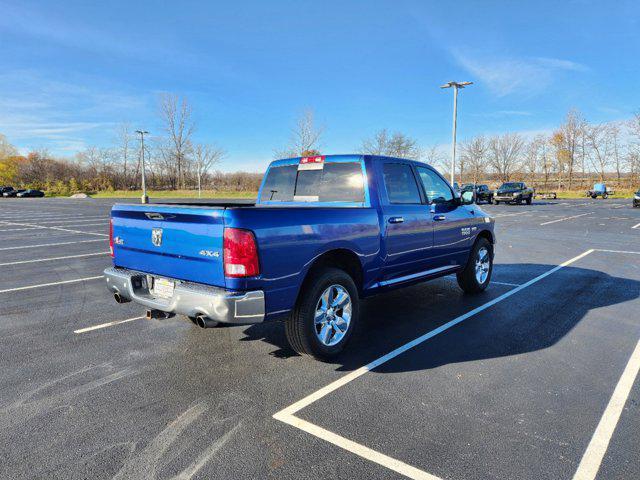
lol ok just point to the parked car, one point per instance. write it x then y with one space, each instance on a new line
12 193
5 189
600 190
30 193
482 192
636 199
513 192
325 232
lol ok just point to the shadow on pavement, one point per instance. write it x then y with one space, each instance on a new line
535 318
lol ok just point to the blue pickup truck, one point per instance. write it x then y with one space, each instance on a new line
324 232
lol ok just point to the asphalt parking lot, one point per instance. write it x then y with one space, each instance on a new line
534 379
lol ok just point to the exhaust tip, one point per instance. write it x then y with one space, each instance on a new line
206 322
119 298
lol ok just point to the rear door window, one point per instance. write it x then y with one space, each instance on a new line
400 183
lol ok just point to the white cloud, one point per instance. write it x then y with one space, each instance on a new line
37 111
505 76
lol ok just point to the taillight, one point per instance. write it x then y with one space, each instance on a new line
240 253
111 236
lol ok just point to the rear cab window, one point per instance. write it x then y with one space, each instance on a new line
331 181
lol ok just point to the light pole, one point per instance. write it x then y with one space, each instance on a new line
145 198
456 86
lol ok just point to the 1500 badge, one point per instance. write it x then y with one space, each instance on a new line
467 230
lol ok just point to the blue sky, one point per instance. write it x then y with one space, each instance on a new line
70 71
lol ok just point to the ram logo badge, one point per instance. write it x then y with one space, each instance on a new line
156 236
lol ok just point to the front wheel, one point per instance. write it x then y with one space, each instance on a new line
325 316
476 275
497 202
529 201
605 195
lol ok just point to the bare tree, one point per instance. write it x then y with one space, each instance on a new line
205 156
614 134
6 149
504 154
305 137
176 114
633 148
474 154
600 143
123 152
394 145
567 140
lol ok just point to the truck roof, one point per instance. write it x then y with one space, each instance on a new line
349 157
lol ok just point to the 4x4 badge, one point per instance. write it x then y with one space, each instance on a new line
156 236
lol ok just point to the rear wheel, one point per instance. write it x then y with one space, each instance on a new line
529 201
605 195
477 273
497 202
325 316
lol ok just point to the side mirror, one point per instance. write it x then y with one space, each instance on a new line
467 197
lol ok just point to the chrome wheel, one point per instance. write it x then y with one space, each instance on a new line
333 315
483 263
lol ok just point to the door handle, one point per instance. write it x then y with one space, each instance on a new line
396 220
439 217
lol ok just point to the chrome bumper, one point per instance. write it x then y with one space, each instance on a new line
190 299
505 198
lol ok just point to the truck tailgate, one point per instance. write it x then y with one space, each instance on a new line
170 241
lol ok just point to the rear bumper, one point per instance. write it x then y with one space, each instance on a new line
190 299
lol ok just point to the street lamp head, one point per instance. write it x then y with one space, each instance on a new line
456 84
142 132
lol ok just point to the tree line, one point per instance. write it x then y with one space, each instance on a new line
571 157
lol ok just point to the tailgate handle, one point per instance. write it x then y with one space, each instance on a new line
154 216
439 217
396 220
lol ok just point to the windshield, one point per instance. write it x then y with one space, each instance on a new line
336 182
511 185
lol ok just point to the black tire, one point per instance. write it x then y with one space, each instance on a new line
529 201
497 202
594 196
467 279
605 195
300 326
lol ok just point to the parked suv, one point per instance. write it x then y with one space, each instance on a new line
636 199
513 192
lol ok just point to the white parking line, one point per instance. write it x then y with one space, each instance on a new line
592 458
287 416
105 325
53 244
53 258
509 214
54 228
75 220
566 218
636 226
505 283
29 287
